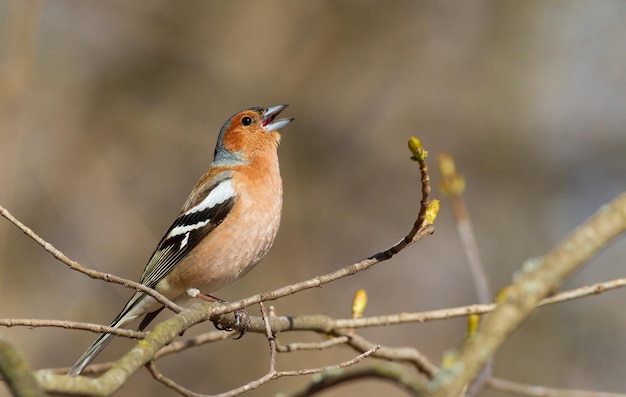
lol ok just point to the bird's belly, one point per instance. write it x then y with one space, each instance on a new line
218 263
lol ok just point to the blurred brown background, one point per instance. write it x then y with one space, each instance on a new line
109 113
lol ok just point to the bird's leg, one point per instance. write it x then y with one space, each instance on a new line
242 318
242 321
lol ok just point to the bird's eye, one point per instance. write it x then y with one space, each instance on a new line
246 121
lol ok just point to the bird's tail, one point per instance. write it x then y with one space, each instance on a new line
133 309
96 347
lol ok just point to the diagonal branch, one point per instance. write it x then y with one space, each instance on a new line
519 300
80 268
15 373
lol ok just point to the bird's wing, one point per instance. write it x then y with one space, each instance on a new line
209 211
203 213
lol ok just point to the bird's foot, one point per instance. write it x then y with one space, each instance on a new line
242 322
242 318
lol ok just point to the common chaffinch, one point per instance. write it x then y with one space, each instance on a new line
227 224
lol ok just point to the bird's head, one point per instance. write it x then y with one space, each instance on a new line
249 132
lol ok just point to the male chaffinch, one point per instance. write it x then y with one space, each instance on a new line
227 224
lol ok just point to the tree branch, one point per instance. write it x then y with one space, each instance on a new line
541 391
82 269
33 323
519 300
15 372
393 373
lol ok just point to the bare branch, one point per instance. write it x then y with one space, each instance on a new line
271 375
297 346
15 371
173 347
199 340
453 184
330 368
33 323
394 373
584 291
159 377
462 311
533 390
118 374
270 338
520 299
89 272
327 278
407 354
317 323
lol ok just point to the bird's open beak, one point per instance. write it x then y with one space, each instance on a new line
269 116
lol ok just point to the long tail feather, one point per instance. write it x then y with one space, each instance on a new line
96 347
135 307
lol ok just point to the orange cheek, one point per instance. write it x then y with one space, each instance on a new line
234 141
250 141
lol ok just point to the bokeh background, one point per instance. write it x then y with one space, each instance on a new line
109 113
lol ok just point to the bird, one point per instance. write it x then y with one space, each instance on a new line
225 227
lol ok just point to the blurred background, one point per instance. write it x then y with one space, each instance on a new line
109 112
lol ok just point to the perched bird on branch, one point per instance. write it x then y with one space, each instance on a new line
227 224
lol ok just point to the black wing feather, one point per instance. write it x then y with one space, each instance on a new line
171 250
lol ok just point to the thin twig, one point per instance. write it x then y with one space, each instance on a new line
462 311
33 323
400 354
584 291
82 269
159 377
472 253
319 281
393 373
454 185
301 346
270 338
312 371
259 382
199 340
542 391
